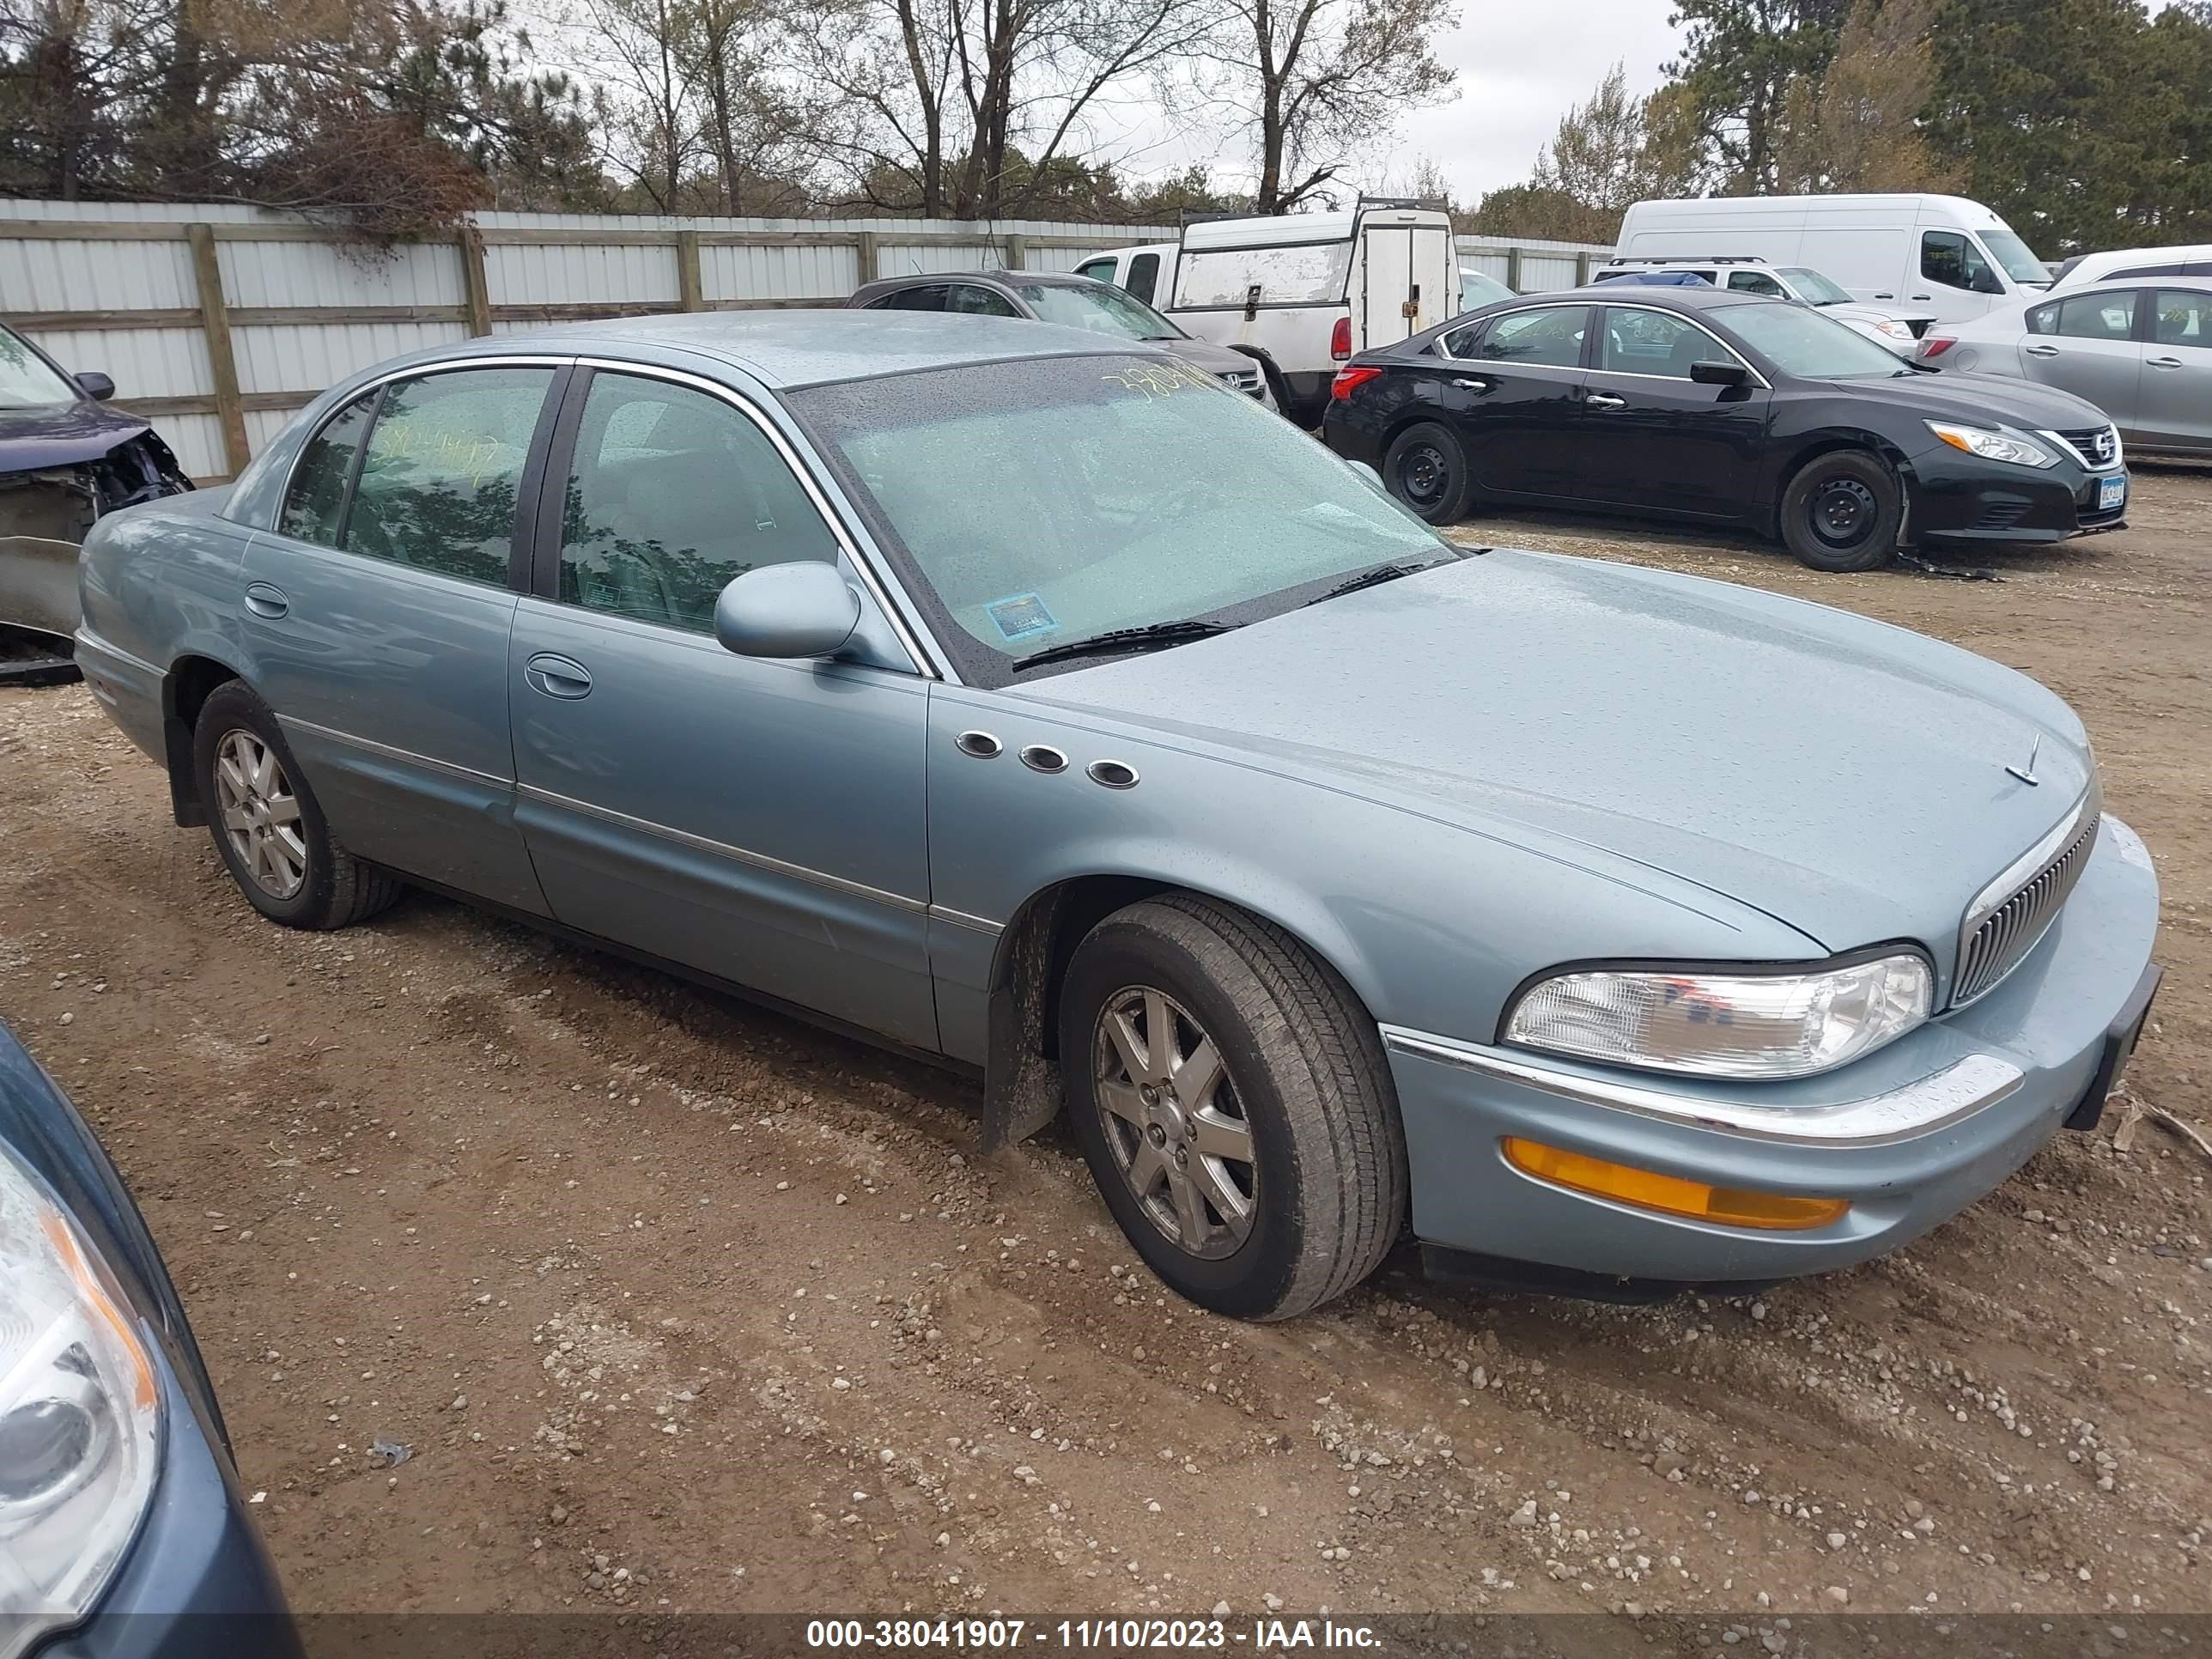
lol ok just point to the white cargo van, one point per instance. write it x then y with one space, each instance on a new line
1951 256
1303 291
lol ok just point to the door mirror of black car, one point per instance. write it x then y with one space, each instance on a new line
802 609
95 385
1715 374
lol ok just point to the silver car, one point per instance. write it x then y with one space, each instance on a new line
2141 351
1025 698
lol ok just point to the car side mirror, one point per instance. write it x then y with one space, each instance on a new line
1988 281
803 609
1714 373
95 385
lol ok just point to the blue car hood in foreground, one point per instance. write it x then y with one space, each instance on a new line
1840 774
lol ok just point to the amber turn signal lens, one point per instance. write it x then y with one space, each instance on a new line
1647 1189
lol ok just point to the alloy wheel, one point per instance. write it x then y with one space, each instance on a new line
1173 1122
260 814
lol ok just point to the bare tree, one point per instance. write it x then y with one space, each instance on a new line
1607 153
1311 82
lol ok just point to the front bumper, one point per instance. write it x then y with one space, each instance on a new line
1911 1135
1957 497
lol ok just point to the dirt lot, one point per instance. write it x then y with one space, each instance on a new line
683 1306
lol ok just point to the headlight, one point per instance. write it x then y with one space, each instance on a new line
1718 1023
1993 444
1893 329
80 1418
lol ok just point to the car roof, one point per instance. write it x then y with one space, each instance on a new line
1687 296
804 346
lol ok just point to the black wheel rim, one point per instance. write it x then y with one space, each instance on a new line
1842 511
1424 475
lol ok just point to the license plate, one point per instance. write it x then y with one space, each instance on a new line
2112 494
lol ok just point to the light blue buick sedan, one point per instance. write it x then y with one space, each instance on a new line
1022 698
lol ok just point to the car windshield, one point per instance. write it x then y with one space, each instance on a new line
1040 502
1801 343
2019 261
28 380
1814 288
1101 309
1477 290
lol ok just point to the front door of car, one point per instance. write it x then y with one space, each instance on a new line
1657 438
376 616
2086 344
758 820
1515 398
2174 410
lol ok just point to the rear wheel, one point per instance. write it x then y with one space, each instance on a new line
1844 512
1232 1100
1425 467
268 826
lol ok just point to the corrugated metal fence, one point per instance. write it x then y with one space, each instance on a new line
217 321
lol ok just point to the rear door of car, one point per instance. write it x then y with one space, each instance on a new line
377 615
1656 438
759 820
1515 397
2088 345
2174 410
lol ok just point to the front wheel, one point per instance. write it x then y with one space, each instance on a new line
1233 1102
1425 467
1843 512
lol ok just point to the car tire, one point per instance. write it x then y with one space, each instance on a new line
1426 468
1843 512
267 828
1261 1186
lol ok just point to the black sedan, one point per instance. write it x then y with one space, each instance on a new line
1071 301
1721 407
122 1528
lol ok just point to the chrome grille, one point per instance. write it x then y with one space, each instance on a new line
2097 445
1249 382
1995 944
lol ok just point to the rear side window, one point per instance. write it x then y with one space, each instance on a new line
2087 316
2184 318
930 297
673 495
440 472
314 503
1144 276
1549 337
1098 270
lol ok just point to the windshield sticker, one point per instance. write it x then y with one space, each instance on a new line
1159 379
1019 616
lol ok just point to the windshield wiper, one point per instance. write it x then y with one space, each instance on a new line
1150 637
1374 578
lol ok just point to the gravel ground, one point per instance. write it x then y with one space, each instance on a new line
681 1306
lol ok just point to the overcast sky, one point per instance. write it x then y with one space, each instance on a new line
1521 64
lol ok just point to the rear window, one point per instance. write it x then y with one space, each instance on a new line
1311 273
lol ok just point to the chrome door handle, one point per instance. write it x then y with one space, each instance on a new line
2040 351
1468 384
2162 363
1600 400
266 601
557 675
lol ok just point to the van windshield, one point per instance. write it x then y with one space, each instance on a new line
1308 273
2018 259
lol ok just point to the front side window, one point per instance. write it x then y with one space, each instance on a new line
1550 337
28 380
1952 258
1654 343
314 502
969 301
441 472
2184 318
2087 316
671 495
1757 282
1035 503
1311 273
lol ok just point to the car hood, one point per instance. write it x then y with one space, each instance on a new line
1979 399
62 435
1204 354
1843 777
